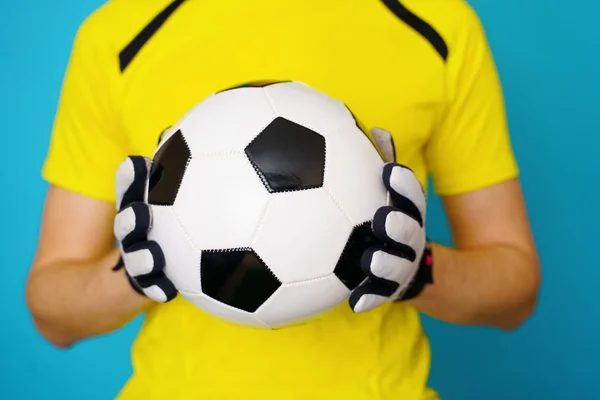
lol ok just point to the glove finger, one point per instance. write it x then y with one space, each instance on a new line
164 134
387 266
406 191
400 230
132 224
131 179
157 287
143 258
371 294
385 142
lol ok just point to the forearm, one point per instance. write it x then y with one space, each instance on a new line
494 286
76 300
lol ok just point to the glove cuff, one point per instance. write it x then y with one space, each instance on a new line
423 277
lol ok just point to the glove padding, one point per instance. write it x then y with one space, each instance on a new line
143 259
400 266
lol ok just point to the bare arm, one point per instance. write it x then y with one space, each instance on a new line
72 292
492 275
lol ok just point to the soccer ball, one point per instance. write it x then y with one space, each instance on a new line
262 197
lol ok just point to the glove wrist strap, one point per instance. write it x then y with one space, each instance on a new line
423 277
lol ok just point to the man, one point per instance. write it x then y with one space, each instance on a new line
419 68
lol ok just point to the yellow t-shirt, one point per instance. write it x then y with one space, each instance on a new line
420 69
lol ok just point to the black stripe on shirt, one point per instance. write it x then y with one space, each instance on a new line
419 25
133 48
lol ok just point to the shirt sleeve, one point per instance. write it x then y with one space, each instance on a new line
87 142
470 149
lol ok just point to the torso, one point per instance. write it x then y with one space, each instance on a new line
390 75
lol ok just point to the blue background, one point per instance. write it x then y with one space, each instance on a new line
548 61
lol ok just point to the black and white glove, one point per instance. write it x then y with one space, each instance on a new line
401 265
143 259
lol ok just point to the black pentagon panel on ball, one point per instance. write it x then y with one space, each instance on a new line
253 84
168 167
237 277
348 268
288 156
